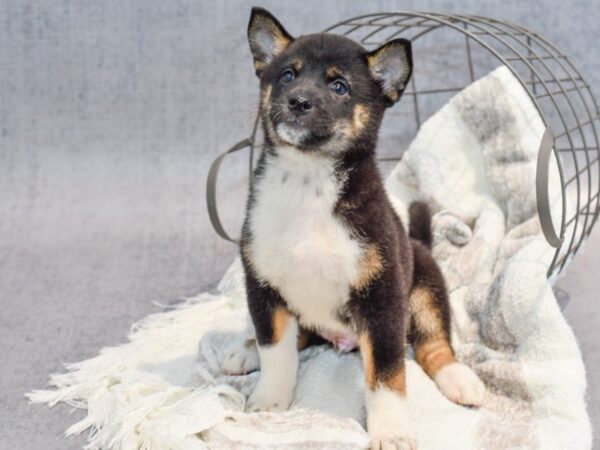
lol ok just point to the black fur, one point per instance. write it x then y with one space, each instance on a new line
419 227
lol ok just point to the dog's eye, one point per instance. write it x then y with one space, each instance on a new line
287 75
339 87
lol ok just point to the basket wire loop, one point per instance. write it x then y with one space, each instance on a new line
534 62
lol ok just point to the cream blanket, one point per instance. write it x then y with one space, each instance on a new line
474 163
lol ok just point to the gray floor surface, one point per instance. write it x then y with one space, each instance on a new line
110 113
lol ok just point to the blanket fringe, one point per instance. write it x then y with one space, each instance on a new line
124 403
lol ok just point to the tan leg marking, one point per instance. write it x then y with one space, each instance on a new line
370 266
366 350
385 400
302 339
432 356
426 315
397 382
432 348
280 322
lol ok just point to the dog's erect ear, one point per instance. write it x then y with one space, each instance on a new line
267 38
391 66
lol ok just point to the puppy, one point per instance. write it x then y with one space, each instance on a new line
323 251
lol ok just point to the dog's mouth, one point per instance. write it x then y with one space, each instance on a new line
299 135
292 133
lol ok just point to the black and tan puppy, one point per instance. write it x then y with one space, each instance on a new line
323 250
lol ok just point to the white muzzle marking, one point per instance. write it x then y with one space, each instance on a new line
292 135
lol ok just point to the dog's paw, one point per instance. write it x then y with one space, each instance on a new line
270 398
387 420
460 384
395 443
241 358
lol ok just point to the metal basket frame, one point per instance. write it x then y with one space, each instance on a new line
560 94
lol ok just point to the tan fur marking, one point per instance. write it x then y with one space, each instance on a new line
426 315
397 382
393 95
360 118
433 350
266 98
373 59
302 339
280 321
333 72
432 356
344 127
366 350
297 65
265 108
370 266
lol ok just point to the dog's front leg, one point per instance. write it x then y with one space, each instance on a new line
382 348
277 339
385 391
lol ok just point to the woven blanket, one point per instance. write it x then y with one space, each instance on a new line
473 162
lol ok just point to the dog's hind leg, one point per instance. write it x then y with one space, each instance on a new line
429 333
241 356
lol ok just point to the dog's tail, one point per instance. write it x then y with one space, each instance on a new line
419 226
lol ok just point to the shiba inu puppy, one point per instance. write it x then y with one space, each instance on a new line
324 253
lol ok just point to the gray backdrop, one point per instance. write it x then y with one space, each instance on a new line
110 113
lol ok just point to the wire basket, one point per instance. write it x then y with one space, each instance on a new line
468 47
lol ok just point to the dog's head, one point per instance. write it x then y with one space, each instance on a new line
320 92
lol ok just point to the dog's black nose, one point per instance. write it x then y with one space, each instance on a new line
299 104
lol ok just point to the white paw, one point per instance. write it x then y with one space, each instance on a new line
241 359
460 384
387 420
396 443
276 397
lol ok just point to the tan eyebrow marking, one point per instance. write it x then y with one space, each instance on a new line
297 64
333 72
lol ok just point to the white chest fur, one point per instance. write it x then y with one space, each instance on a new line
298 245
